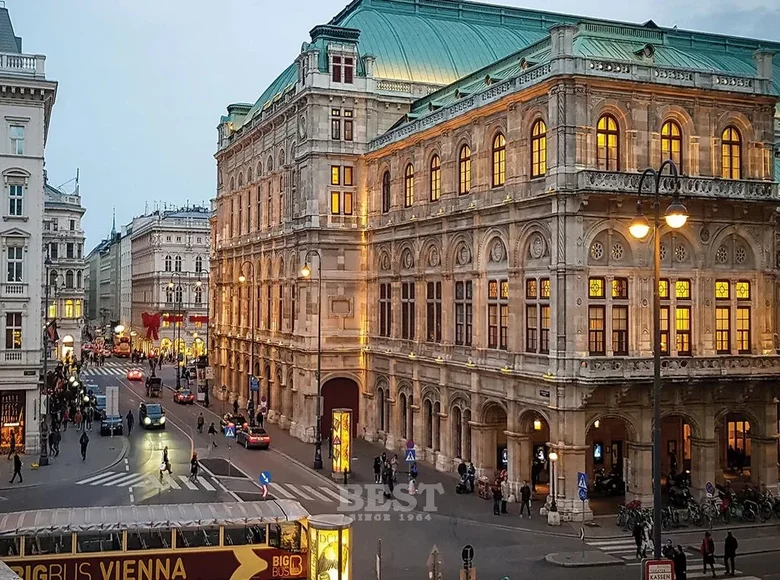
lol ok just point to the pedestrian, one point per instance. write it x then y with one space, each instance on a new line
525 499
194 467
17 468
213 434
77 419
201 422
394 467
377 470
166 463
680 564
504 495
84 441
57 439
260 418
730 546
130 420
90 417
708 553
496 497
638 540
235 407
51 443
65 419
250 410
12 444
668 550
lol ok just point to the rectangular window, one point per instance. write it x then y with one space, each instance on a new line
531 328
72 225
743 329
280 309
17 139
407 310
69 253
336 69
433 312
293 306
348 176
347 203
742 290
620 288
463 313
335 203
531 289
596 330
683 329
349 70
335 124
15 254
663 288
723 329
544 331
335 175
15 200
268 306
13 330
385 309
664 331
54 250
498 313
347 125
544 288
537 315
682 289
620 330
596 288
79 251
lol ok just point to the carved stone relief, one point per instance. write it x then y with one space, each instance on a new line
433 257
407 260
463 255
497 251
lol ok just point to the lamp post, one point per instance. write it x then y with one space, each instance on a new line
242 279
306 273
199 284
675 215
553 457
177 330
44 424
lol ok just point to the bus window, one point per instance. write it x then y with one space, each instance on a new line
286 536
198 538
48 544
10 546
98 542
241 536
148 540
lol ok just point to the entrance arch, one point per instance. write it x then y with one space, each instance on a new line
534 465
677 429
494 441
735 444
340 393
607 440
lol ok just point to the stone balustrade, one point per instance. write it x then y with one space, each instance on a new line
18 357
626 368
23 64
623 182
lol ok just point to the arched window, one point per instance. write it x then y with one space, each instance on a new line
232 183
240 180
168 263
538 149
198 295
69 279
386 192
457 432
53 278
499 160
381 409
608 143
259 170
464 170
69 308
79 279
249 175
435 178
281 158
179 295
281 195
428 423
177 264
198 265
731 153
168 295
404 416
409 186
269 165
437 426
671 143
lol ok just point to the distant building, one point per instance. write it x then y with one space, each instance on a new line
63 242
125 277
25 108
103 285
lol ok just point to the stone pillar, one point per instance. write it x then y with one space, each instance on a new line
704 464
443 460
516 459
571 461
639 473
478 448
394 419
284 410
763 458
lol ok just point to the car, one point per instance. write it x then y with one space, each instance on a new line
184 397
154 386
254 437
135 375
151 415
107 423
237 420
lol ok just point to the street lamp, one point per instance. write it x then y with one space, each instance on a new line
242 279
553 457
180 323
306 273
44 424
676 215
199 284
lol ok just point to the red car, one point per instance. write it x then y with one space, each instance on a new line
184 396
253 437
135 375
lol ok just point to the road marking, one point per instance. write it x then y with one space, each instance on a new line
315 493
277 489
93 478
111 477
333 494
206 485
170 481
186 481
128 480
127 465
298 491
132 498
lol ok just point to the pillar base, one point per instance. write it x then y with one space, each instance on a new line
391 442
443 463
553 518
572 510
284 422
273 416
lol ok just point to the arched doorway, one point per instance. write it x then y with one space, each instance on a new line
494 441
607 442
676 433
340 393
534 452
735 445
67 346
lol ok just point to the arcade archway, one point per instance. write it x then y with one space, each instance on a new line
495 452
340 393
533 451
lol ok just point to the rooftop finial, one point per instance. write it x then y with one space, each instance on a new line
113 224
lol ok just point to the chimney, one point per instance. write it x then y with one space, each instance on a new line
562 40
764 63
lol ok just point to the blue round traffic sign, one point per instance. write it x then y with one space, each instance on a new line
265 478
583 494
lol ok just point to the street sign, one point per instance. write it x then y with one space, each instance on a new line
467 555
410 444
254 384
410 456
265 478
582 480
709 488
264 489
659 570
230 430
583 494
112 401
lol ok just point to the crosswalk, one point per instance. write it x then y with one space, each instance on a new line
300 492
625 548
110 368
129 480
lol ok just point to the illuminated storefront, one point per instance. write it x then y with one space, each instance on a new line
12 418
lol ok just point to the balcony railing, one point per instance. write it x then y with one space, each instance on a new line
621 182
612 368
13 290
23 64
21 357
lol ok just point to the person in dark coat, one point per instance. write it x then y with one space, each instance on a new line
680 564
708 553
496 497
730 546
638 537
17 468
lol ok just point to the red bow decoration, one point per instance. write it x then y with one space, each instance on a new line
152 325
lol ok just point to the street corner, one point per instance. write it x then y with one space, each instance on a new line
584 559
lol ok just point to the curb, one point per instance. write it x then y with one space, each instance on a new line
696 530
740 553
120 457
550 559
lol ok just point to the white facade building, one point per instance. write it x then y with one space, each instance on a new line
125 277
25 112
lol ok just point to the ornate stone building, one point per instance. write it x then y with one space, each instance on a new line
483 296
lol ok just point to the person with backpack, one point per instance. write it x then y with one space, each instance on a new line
84 441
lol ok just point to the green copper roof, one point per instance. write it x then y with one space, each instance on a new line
277 88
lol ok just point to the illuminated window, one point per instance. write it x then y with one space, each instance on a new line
723 329
464 314
608 143
742 290
596 288
498 313
743 329
335 175
499 160
544 288
68 309
682 289
722 290
409 186
53 310
77 309
13 330
596 330
739 438
531 288
671 143
335 203
348 176
347 202
663 288
386 192
464 170
435 178
538 149
537 315
731 154
664 330
683 329
620 288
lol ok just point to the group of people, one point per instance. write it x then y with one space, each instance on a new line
503 496
386 473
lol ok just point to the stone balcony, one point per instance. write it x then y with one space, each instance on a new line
20 358
13 290
27 65
706 187
616 369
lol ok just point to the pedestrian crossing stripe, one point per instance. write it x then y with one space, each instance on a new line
138 480
299 492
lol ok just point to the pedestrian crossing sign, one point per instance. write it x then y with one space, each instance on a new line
230 430
582 480
410 456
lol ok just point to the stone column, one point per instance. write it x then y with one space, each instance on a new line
394 419
763 466
478 456
443 460
704 464
571 461
516 445
639 473
284 411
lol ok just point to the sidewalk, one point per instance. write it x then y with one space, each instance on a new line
102 453
747 546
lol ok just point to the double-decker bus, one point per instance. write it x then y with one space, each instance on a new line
122 348
261 540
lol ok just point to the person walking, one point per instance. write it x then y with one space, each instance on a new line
680 564
77 419
90 417
201 422
668 550
84 441
12 444
212 434
57 440
166 463
130 420
17 468
639 537
504 495
377 470
194 467
708 553
235 407
525 499
496 497
260 417
730 546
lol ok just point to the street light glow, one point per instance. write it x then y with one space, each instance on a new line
119 329
170 284
676 214
639 227
242 278
306 270
553 456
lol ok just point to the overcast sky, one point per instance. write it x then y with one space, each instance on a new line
142 83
